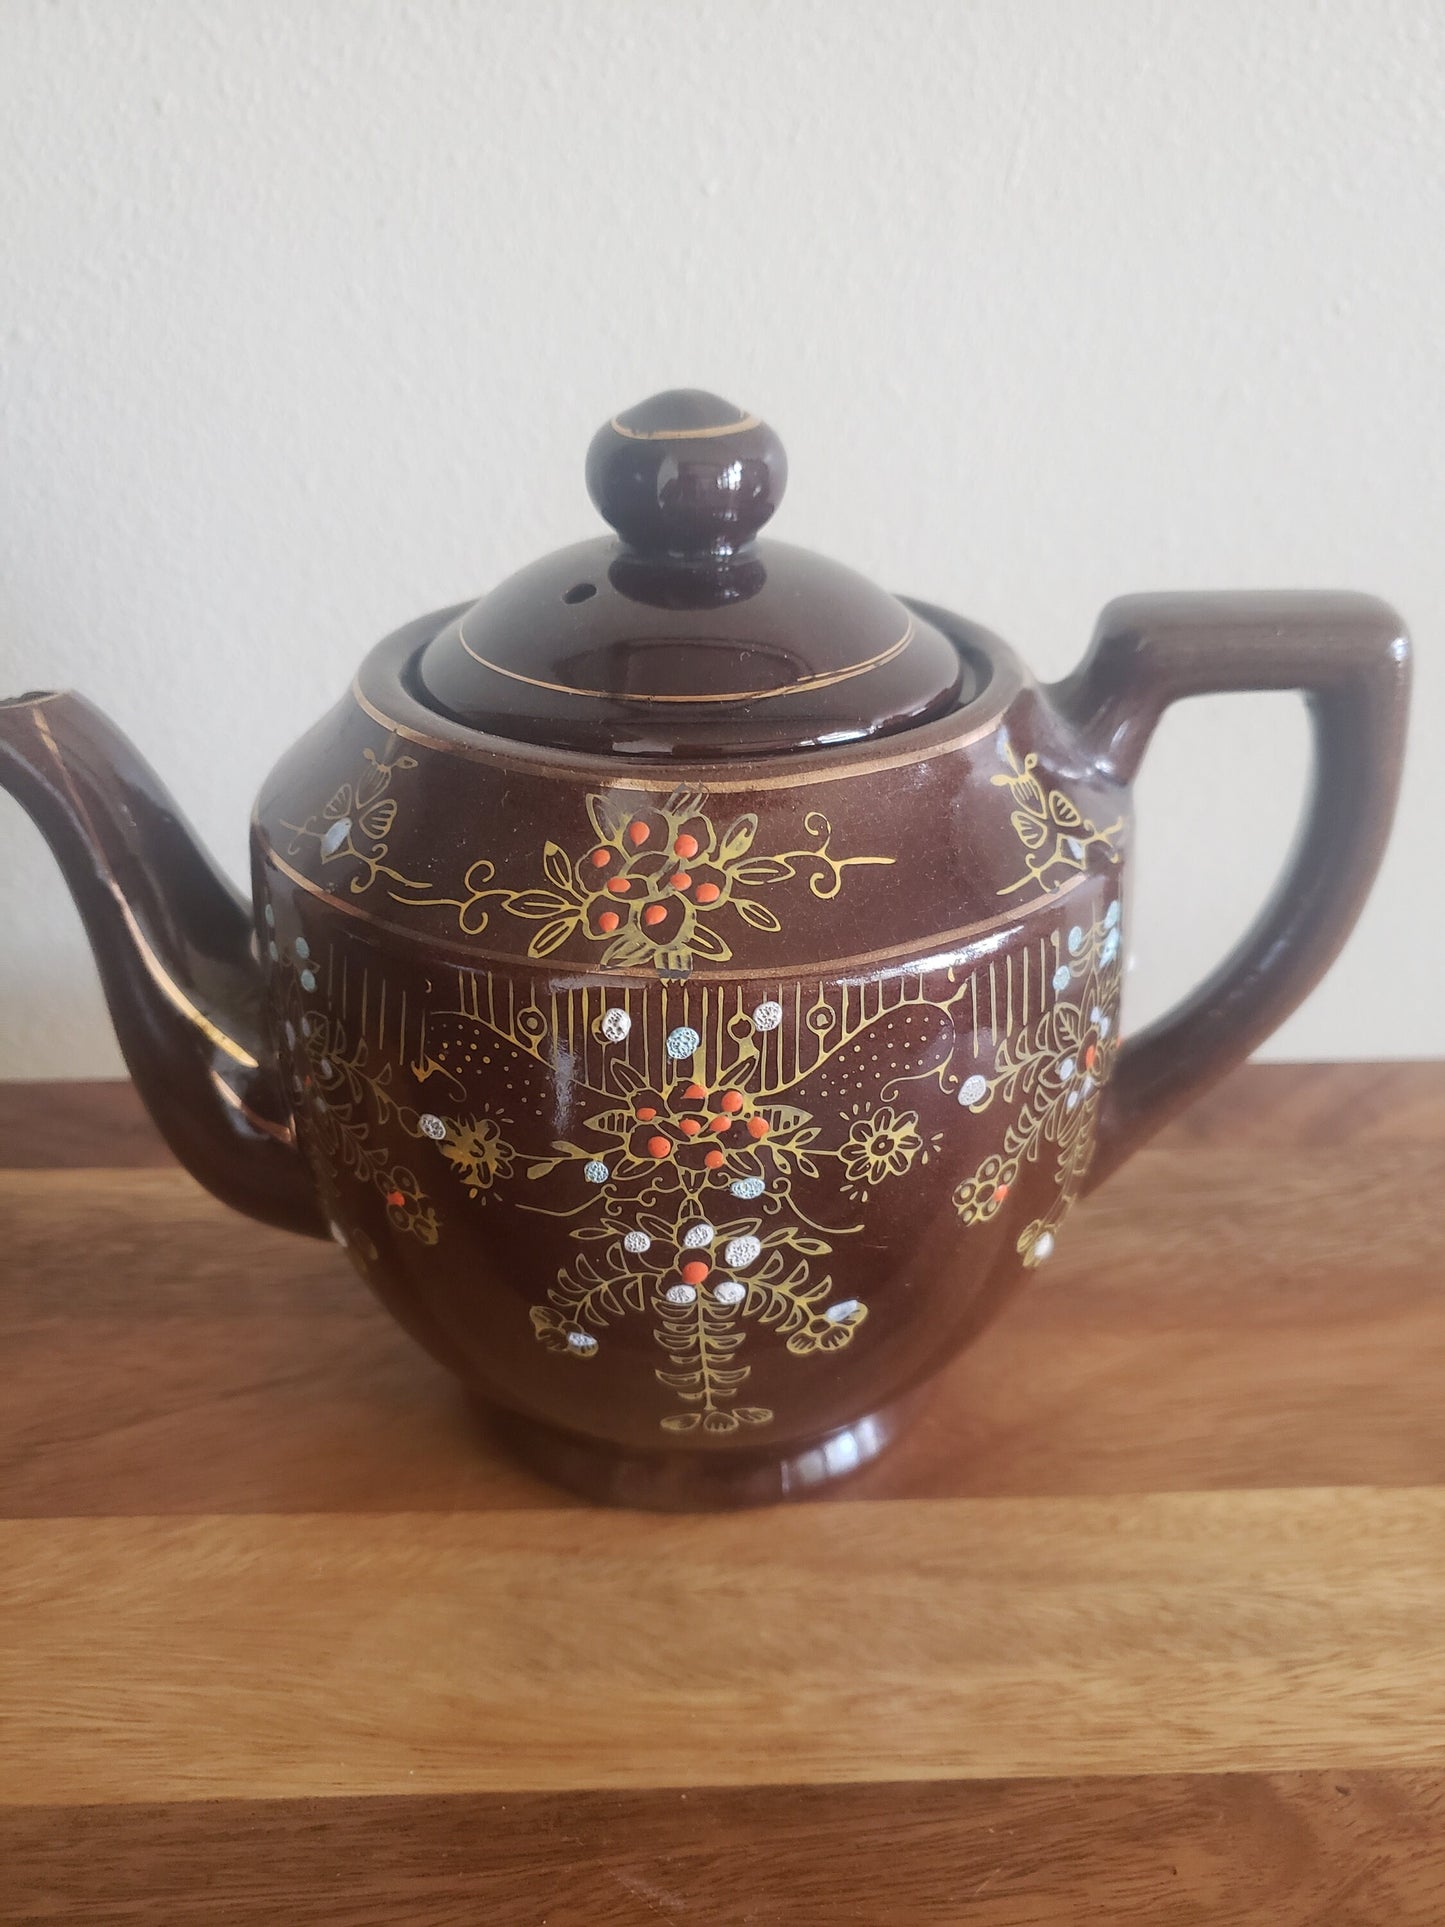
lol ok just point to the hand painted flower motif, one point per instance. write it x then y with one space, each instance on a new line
1056 837
1054 1070
479 1154
654 886
355 829
658 886
348 1107
879 1147
685 1133
661 1239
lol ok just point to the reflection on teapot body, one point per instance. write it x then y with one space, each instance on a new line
686 981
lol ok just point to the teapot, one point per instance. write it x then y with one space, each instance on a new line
686 980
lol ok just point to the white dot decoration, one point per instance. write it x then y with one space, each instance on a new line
697 1235
680 1294
972 1089
615 1024
337 1233
1043 1247
767 1016
683 1041
1067 1067
1061 977
327 1067
747 1187
1071 1102
308 980
729 1292
290 1033
431 1125
1076 941
301 947
582 1343
742 1252
273 952
595 1171
336 836
637 1242
845 1309
270 917
1111 916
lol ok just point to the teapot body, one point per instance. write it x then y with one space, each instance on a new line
686 980
693 1116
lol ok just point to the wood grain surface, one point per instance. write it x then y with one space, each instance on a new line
1143 1624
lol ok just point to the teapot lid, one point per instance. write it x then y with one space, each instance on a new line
682 635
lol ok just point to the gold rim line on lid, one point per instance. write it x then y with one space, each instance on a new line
742 423
727 696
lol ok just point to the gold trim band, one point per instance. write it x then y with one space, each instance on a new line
738 427
825 681
713 776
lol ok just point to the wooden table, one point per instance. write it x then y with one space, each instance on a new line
1145 1624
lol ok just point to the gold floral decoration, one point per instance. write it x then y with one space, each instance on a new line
878 1147
348 1107
681 1184
1055 1071
355 826
1055 836
478 1153
663 1174
656 886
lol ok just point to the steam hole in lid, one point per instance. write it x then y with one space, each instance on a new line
580 592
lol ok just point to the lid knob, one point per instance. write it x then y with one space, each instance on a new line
686 474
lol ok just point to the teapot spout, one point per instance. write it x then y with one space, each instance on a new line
173 942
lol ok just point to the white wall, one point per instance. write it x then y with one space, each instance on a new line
1048 301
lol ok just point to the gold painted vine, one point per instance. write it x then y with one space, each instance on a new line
654 886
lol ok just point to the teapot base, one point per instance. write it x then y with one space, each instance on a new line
698 1481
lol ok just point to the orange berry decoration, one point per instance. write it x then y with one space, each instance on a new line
731 1101
396 1199
637 833
654 913
600 859
694 1272
646 1113
685 846
720 1124
1089 1055
1000 1192
619 886
608 920
689 1126
680 880
708 893
696 1091
758 1127
658 1146
715 1160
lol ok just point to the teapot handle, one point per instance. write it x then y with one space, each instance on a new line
1349 655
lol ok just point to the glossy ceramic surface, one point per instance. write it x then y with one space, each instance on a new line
695 1111
685 637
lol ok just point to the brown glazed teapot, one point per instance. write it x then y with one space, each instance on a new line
686 980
